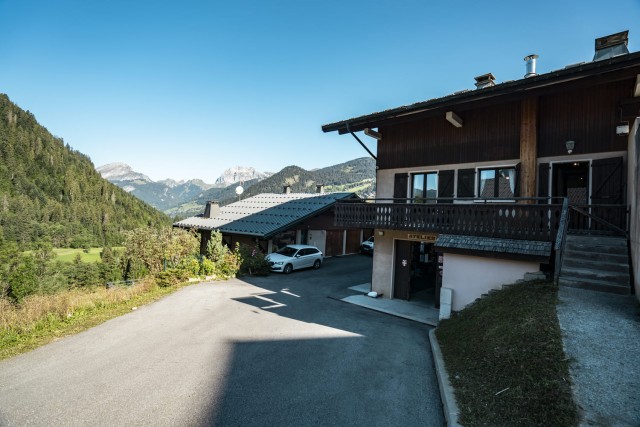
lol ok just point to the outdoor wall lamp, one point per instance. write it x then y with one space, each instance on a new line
570 145
380 233
622 129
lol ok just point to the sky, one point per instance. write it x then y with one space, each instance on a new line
186 89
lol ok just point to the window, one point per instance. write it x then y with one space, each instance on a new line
497 183
424 186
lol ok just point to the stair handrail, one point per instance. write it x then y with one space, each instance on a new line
561 238
600 221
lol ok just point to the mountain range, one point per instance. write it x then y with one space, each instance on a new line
181 199
168 193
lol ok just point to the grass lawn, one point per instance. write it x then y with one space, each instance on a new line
68 254
505 359
42 319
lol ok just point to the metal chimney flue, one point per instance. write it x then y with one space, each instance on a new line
611 46
531 65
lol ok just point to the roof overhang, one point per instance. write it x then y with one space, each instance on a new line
613 69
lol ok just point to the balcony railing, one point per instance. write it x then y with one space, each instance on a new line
512 219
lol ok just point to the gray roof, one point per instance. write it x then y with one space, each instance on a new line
523 248
265 215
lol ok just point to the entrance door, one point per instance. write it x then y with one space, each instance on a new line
402 276
416 272
571 180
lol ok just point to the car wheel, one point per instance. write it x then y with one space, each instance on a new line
316 264
287 269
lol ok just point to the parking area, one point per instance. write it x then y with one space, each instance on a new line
269 350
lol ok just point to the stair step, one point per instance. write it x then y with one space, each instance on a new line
594 285
594 274
601 263
595 247
598 263
597 256
611 241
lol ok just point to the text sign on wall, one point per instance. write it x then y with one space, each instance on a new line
431 238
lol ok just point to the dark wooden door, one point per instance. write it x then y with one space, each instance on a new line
333 245
353 241
608 183
402 276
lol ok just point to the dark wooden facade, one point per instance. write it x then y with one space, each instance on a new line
489 133
587 115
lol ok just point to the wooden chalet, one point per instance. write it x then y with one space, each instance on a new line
272 221
478 188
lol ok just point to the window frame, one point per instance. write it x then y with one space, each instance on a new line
496 182
425 189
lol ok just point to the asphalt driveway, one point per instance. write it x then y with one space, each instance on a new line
252 352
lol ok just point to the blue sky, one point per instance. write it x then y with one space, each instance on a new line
187 89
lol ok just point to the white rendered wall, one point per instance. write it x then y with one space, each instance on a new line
469 276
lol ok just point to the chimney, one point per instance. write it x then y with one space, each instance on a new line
610 46
211 210
485 80
320 188
286 189
531 65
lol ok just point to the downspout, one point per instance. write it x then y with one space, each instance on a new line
361 143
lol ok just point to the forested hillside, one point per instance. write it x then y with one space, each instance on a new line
356 175
49 191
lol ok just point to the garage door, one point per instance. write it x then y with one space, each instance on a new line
334 243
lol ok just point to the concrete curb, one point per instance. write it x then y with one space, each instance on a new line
449 405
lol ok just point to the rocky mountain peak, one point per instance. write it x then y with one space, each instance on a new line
240 173
121 172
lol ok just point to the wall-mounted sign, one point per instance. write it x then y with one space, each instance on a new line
429 237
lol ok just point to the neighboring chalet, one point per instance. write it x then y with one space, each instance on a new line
272 221
477 188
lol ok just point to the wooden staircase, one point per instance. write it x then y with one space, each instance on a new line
598 263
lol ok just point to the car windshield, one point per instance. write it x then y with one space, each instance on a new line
287 251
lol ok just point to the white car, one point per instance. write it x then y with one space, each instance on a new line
366 247
294 257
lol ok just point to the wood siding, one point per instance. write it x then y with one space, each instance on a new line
489 133
587 116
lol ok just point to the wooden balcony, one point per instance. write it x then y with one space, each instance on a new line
507 220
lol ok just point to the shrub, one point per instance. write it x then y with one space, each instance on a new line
228 266
252 261
22 280
171 277
226 263
82 274
151 247
207 267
